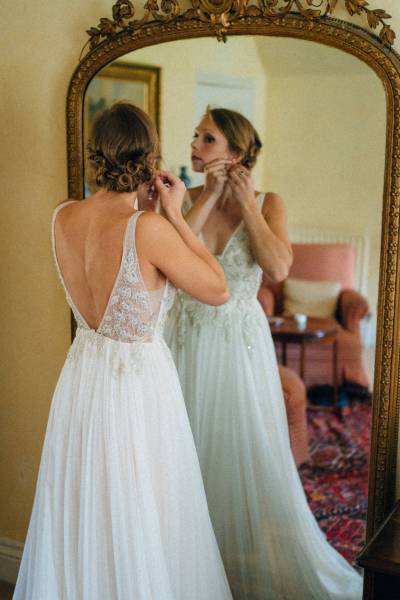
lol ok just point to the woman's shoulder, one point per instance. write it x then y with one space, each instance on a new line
272 202
152 225
66 207
68 202
150 220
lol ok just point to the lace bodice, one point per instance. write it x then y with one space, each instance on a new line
242 273
132 313
243 276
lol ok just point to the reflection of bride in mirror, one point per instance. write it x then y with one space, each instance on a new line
270 542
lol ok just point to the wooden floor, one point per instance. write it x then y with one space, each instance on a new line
6 590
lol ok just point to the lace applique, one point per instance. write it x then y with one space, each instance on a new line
123 358
243 276
128 316
188 312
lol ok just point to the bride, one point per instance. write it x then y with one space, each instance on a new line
120 511
269 540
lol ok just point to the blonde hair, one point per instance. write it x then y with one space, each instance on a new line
241 135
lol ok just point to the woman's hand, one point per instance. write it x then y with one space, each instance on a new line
170 190
216 176
241 185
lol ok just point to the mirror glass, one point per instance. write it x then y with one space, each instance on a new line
320 114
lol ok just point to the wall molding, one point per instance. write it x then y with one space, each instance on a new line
10 559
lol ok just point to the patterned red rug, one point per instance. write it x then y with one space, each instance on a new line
336 482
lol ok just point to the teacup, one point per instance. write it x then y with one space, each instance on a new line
301 320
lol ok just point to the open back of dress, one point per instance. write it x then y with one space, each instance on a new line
132 313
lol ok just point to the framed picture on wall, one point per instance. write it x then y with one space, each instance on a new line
137 84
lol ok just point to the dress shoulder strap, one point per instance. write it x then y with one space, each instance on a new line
130 234
58 208
128 316
260 199
53 222
78 317
53 237
187 203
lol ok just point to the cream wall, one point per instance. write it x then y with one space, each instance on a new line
326 145
40 44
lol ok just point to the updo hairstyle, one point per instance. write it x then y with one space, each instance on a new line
124 148
241 136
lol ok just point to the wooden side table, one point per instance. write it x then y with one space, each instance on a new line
323 331
381 560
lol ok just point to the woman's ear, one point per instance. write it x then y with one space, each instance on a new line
236 158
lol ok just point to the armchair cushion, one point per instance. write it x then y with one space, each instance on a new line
311 298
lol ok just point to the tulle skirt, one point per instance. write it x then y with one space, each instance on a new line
270 542
120 511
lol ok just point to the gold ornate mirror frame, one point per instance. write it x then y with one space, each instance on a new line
224 18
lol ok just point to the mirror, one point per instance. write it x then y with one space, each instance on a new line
292 117
321 115
307 101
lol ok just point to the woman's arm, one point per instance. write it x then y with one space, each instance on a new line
267 228
215 178
174 249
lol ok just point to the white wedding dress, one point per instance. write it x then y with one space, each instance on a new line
120 511
270 542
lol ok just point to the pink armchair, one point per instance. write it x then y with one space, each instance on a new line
326 262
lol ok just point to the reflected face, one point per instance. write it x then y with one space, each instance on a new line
208 144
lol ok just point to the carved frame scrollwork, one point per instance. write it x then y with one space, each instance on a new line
220 14
386 63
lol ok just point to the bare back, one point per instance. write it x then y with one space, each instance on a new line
88 244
